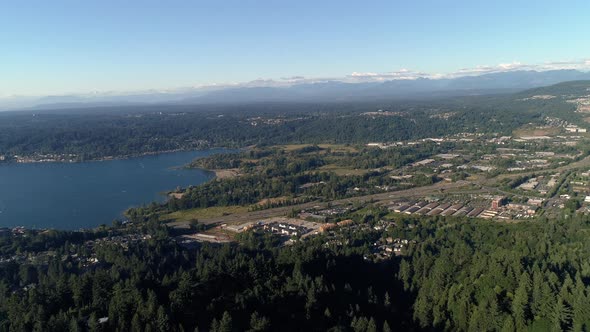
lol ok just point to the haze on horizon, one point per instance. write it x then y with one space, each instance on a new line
81 47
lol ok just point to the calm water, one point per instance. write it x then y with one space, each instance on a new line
77 195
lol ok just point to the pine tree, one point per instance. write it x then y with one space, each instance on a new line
225 324
371 297
310 302
405 273
561 315
74 327
536 293
508 325
422 310
93 323
163 322
581 308
520 302
360 324
136 325
372 326
214 325
258 323
386 327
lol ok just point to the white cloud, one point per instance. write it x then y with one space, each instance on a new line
354 77
408 74
486 69
582 65
402 74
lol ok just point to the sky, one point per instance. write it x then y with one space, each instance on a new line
62 47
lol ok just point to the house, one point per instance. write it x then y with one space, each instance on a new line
326 227
575 129
423 162
345 222
447 156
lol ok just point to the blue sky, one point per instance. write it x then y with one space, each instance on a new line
55 47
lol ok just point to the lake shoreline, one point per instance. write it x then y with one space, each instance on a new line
112 187
109 158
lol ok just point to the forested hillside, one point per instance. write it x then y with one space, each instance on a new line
482 276
364 267
131 130
458 275
99 133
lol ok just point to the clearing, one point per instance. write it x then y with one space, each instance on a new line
211 212
342 171
333 147
536 131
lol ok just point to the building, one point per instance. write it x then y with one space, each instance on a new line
497 203
575 129
423 162
475 212
326 227
345 222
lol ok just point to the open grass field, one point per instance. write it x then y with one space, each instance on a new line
536 131
212 212
342 171
227 173
273 200
333 147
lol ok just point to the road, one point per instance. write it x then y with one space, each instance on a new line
466 187
439 187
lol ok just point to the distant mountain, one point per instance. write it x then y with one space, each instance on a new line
396 89
486 84
567 89
518 79
149 97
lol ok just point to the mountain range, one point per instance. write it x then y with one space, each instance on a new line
331 90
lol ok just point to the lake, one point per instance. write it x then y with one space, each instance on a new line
85 195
